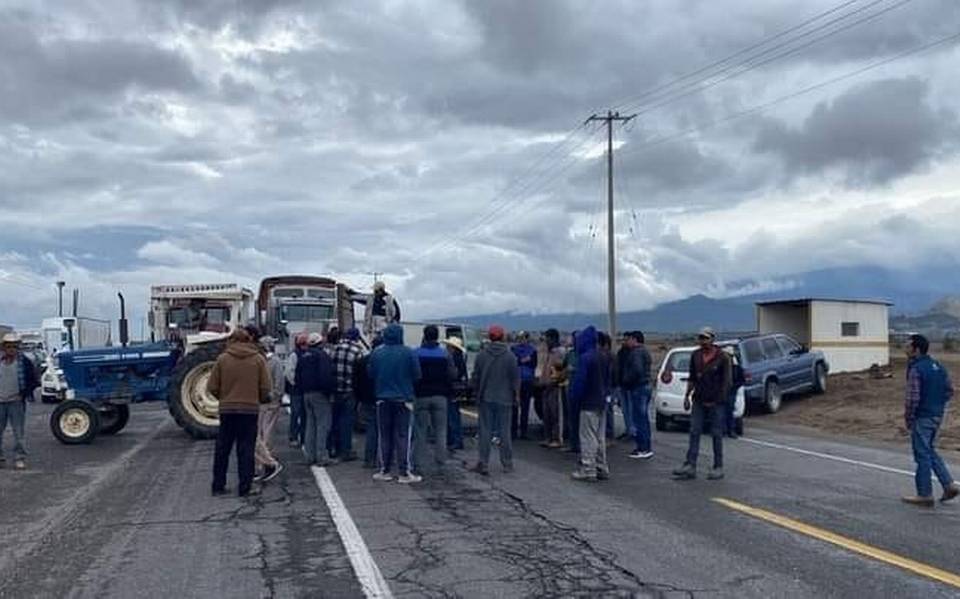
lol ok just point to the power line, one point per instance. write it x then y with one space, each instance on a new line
766 105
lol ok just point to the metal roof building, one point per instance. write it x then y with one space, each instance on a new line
853 334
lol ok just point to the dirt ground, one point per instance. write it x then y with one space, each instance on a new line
863 406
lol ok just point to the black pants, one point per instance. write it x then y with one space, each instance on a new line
521 412
242 430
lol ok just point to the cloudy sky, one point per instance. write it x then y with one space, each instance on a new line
440 143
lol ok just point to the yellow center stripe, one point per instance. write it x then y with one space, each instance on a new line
848 544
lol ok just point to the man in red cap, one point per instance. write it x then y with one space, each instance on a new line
496 380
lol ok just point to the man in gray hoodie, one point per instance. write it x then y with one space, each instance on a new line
496 380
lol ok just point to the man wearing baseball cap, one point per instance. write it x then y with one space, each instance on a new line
496 380
708 390
17 383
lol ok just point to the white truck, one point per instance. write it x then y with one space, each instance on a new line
61 333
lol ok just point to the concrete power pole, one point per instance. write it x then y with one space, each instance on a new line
610 118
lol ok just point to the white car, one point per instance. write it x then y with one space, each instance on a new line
671 387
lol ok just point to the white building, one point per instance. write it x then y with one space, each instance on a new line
852 334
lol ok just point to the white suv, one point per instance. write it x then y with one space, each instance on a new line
671 388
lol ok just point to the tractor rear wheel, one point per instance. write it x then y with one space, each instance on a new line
75 422
194 409
113 418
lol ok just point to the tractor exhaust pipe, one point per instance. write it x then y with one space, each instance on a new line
124 331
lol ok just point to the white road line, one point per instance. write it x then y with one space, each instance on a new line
827 456
372 581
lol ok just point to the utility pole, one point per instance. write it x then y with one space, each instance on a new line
376 276
60 286
610 118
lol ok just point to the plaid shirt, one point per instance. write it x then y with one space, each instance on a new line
912 399
345 356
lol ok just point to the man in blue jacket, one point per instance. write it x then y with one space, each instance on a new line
317 381
589 390
434 390
929 389
395 370
526 355
18 380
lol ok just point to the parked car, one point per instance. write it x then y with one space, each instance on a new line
671 388
775 365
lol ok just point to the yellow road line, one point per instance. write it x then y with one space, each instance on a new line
844 542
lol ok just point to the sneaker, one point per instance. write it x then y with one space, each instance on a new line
19 465
715 474
271 472
384 477
641 455
951 492
685 472
481 469
581 475
409 479
918 501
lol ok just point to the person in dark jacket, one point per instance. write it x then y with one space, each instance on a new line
395 370
367 400
298 411
460 390
434 389
929 389
526 355
18 380
589 390
571 409
708 388
635 385
552 379
496 381
316 379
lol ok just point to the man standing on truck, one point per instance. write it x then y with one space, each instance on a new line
241 382
395 370
268 465
496 380
382 310
345 355
526 355
18 380
316 380
929 389
708 389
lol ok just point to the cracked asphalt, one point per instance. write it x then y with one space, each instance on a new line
131 516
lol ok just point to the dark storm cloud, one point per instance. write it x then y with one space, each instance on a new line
873 134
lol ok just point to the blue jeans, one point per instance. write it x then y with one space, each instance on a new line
369 411
298 417
698 415
625 407
396 435
319 412
344 413
14 412
639 402
454 425
494 420
923 437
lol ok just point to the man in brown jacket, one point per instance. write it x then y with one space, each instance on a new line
240 381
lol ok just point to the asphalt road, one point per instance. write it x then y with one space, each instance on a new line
131 515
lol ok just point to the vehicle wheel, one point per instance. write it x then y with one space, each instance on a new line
196 411
738 426
820 379
772 398
75 422
113 418
662 423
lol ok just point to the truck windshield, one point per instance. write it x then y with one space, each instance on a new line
203 319
309 313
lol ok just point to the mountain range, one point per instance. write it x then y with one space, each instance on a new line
913 293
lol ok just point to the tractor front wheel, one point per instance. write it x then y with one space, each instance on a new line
75 422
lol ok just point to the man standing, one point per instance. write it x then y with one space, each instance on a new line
241 382
298 411
268 465
382 310
434 390
18 380
367 398
526 355
929 389
552 376
345 355
589 390
460 390
395 370
316 379
496 380
708 389
635 384
571 413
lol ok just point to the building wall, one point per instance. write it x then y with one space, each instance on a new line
784 318
847 353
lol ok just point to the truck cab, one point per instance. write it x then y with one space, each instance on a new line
207 310
290 305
